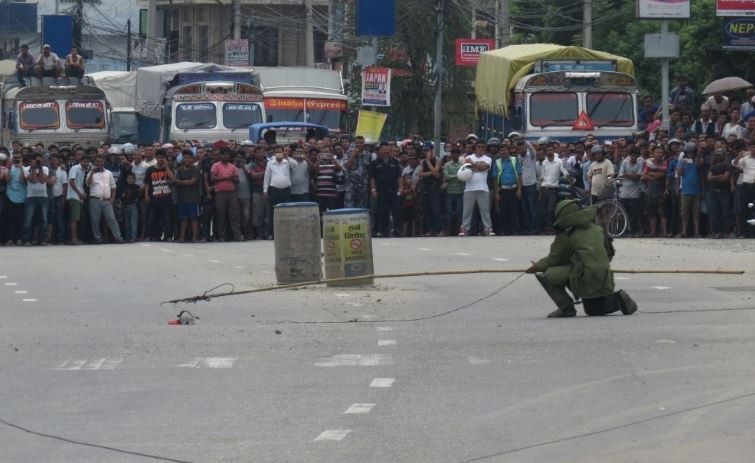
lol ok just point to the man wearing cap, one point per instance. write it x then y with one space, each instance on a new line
580 260
48 64
24 65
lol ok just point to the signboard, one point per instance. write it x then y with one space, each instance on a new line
739 34
237 52
468 50
57 30
663 9
376 86
735 7
574 65
311 103
376 18
370 125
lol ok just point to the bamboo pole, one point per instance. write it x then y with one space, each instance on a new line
206 296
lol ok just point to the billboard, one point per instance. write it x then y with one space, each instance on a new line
739 34
376 18
237 52
376 86
663 9
57 31
468 50
735 7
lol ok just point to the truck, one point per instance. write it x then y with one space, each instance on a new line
196 102
120 92
561 92
52 113
301 94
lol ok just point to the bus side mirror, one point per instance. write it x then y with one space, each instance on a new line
516 123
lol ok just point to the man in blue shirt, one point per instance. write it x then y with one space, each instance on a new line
24 65
507 173
689 187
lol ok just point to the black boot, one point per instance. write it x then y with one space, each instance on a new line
628 306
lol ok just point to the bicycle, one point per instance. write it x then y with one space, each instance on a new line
611 214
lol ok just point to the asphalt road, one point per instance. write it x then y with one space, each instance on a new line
90 370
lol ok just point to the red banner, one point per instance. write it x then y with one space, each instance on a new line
735 7
311 103
468 50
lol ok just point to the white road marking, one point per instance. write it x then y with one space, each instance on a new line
665 341
382 382
500 259
424 249
3 277
29 300
11 284
622 278
239 267
188 255
354 360
332 434
383 328
146 245
358 408
386 342
209 362
367 317
166 250
357 304
342 294
213 261
478 360
462 254
97 364
661 287
21 291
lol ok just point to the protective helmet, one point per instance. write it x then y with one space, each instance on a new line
513 135
494 142
543 140
598 149
465 172
114 150
690 147
128 148
247 143
168 145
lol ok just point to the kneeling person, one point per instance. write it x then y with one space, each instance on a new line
580 259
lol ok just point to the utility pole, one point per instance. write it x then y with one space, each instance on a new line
474 18
438 79
78 22
309 40
151 42
664 83
503 23
236 19
128 45
587 24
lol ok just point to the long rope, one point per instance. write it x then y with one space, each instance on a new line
209 295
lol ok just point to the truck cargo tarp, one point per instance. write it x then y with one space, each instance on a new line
119 87
280 79
152 81
498 71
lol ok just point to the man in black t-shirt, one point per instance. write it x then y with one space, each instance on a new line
718 196
385 173
430 178
157 192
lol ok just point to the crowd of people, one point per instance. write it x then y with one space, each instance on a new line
695 179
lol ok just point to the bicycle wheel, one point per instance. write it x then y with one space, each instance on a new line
605 211
619 223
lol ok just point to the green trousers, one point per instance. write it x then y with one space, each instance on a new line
555 281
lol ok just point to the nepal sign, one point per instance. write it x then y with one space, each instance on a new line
739 33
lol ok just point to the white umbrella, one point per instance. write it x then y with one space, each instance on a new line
727 84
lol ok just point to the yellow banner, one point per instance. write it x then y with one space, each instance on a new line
370 125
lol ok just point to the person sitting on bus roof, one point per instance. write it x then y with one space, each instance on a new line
74 65
24 65
48 63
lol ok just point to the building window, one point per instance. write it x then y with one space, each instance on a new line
203 43
186 48
266 46
320 38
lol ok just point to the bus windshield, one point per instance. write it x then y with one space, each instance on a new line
610 109
41 115
195 116
332 119
85 115
285 115
241 115
550 108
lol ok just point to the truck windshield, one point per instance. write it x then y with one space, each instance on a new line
85 115
195 116
124 127
241 115
610 109
550 108
39 115
327 117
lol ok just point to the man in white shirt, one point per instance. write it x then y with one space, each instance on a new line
600 172
36 199
745 164
75 195
48 64
101 195
276 186
476 191
552 168
58 181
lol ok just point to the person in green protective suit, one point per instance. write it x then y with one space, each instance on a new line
580 260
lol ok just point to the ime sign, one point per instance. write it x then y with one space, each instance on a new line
468 50
735 7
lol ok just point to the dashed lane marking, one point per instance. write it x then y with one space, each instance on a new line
477 360
661 287
424 249
386 342
665 341
188 255
355 360
622 278
500 259
21 291
96 364
29 300
209 362
11 284
358 409
3 277
382 382
213 261
332 434
238 267
462 254
383 328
